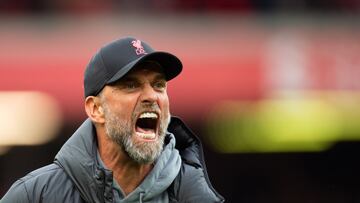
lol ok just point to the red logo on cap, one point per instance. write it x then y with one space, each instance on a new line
139 48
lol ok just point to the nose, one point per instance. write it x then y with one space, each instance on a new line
148 94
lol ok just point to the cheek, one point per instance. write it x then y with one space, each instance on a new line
124 108
164 103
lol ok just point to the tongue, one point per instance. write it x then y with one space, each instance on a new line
145 130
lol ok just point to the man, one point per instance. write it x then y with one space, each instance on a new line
129 149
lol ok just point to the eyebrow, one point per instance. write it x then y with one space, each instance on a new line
160 76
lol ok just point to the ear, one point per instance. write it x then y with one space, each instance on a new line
94 110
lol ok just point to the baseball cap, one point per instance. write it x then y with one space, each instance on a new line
114 60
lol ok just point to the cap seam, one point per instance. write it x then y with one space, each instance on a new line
98 89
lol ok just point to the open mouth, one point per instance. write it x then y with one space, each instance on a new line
146 125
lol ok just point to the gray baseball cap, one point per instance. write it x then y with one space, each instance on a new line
117 58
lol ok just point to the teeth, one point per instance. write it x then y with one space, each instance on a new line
149 115
147 135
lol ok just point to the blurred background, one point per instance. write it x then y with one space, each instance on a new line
270 86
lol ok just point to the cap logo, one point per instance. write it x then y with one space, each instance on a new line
139 48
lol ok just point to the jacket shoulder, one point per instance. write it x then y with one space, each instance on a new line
47 184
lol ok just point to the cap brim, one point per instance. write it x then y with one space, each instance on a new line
171 65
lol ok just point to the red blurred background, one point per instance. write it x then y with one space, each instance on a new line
238 51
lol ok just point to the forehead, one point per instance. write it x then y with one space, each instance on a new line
146 67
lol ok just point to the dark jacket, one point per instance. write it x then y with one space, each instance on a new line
89 182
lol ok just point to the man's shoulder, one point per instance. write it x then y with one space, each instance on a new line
39 184
44 172
44 176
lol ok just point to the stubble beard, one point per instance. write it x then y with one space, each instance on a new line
121 131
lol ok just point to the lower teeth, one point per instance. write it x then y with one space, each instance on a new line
147 135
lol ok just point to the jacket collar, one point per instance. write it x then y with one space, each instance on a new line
78 159
190 148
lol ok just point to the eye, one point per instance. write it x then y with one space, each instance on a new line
160 85
131 85
127 85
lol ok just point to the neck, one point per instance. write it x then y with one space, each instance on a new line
128 173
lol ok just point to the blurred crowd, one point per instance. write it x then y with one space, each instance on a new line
244 6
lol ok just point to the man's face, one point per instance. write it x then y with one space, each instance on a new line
136 110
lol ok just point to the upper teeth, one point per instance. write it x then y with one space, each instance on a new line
148 115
